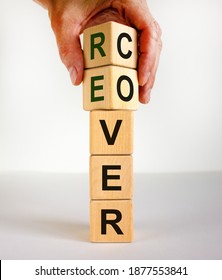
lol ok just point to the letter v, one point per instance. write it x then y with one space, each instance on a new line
110 139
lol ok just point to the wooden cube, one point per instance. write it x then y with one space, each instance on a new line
111 221
111 177
110 43
111 132
110 87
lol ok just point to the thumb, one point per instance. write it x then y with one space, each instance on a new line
70 51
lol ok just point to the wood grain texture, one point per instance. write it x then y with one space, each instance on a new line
110 87
111 221
110 43
111 132
111 177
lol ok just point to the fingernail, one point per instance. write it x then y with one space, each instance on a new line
73 74
147 96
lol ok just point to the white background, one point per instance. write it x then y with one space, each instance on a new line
44 128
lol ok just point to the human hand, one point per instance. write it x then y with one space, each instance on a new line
69 18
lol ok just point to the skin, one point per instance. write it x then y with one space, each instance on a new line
69 18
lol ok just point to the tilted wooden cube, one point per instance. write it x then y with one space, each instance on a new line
111 177
110 87
111 221
110 43
111 132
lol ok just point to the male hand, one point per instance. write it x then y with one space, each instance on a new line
69 18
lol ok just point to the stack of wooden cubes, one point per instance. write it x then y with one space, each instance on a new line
110 93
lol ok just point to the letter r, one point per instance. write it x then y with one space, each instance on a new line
113 223
97 45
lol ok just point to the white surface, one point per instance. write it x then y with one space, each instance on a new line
42 123
45 216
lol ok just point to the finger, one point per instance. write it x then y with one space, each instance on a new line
144 94
152 76
71 55
150 46
147 56
145 90
70 51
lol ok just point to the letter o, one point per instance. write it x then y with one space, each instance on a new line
131 91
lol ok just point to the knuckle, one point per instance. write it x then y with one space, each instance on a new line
157 28
156 31
160 44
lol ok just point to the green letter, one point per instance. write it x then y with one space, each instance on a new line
94 88
97 45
